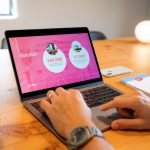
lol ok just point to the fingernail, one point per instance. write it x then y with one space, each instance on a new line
115 125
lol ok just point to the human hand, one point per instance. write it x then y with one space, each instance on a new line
136 103
67 110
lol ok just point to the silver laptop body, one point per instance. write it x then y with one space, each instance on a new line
45 59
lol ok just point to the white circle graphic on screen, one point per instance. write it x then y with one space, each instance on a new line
79 56
54 60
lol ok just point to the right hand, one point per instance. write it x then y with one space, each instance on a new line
67 110
138 103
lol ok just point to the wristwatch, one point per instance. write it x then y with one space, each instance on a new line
81 135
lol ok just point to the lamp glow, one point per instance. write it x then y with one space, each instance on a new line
142 31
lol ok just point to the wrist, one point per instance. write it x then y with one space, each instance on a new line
93 142
80 136
87 123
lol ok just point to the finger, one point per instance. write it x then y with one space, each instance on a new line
121 103
60 91
127 124
45 105
50 93
74 92
128 95
123 112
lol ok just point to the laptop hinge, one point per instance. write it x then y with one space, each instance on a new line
34 97
75 87
89 85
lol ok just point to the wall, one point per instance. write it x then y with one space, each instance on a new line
116 18
148 10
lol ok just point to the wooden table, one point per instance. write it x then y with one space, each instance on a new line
19 130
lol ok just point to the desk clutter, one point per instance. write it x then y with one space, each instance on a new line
114 71
140 82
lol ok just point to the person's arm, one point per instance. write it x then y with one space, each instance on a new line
67 110
97 144
135 108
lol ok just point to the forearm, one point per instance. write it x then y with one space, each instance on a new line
97 143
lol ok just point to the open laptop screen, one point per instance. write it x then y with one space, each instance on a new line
48 61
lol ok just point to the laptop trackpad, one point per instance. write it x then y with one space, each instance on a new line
103 120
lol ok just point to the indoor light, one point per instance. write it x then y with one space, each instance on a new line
142 31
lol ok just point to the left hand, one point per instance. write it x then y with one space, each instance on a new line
136 105
66 110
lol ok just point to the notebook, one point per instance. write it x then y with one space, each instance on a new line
140 82
44 59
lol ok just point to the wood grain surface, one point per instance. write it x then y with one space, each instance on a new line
19 130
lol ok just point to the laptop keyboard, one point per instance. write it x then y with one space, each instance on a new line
93 97
99 95
37 106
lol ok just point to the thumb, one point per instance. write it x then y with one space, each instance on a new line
127 124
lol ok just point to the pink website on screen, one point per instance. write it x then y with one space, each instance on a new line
53 60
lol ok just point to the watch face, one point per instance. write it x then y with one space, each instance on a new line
79 136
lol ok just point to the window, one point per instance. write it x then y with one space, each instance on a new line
8 9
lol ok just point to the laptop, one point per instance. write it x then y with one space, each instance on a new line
44 59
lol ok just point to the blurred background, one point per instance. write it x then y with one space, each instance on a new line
115 18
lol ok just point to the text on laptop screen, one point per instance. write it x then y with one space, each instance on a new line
53 60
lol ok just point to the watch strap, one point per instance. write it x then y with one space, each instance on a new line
94 131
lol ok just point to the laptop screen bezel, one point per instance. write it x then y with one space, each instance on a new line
41 32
